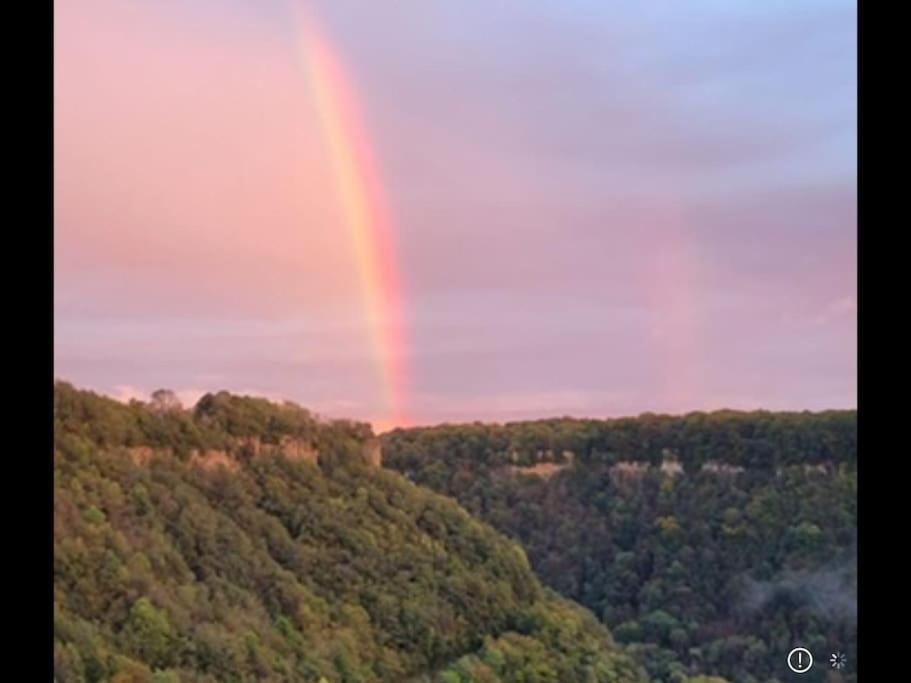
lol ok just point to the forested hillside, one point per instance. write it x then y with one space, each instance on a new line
247 541
710 543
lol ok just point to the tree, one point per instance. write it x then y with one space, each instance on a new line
165 401
148 633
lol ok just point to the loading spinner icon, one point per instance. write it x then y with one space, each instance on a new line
838 660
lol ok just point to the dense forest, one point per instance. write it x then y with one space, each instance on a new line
711 542
243 540
248 541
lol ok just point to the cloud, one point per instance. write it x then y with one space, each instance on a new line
830 590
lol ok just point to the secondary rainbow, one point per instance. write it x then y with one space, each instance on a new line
363 206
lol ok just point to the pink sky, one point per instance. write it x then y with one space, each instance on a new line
597 212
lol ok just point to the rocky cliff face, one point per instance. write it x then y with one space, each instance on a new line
212 459
373 452
297 449
291 448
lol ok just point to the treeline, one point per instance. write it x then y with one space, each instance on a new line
218 421
284 570
758 439
710 572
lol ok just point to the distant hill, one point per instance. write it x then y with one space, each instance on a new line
248 541
709 542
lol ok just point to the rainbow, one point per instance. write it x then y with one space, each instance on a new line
361 200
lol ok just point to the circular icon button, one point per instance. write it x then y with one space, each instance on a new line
800 660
